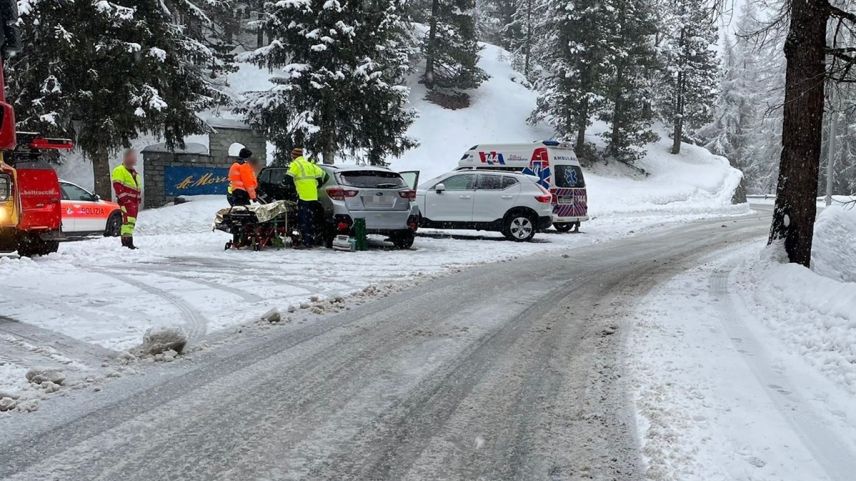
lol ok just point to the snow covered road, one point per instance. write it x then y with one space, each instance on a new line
511 370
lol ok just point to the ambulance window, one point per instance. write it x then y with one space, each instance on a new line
569 176
459 182
489 182
508 182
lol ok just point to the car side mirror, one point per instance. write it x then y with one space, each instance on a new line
96 197
439 188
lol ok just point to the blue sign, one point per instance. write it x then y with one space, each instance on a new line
179 180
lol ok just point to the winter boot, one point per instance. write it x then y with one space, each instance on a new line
131 243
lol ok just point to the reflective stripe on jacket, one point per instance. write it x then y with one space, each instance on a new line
126 184
242 176
305 175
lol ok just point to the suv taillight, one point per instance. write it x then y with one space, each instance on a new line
554 193
407 194
338 193
544 198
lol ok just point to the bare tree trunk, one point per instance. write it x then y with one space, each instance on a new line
678 133
528 48
101 173
796 194
260 32
430 48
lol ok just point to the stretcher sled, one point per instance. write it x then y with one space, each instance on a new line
258 226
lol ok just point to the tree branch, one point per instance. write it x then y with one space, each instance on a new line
839 13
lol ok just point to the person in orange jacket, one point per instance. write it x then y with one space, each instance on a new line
242 179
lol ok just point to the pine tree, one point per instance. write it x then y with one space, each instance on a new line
689 89
451 47
105 72
339 69
631 61
572 90
529 35
746 126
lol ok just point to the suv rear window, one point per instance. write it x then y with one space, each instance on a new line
372 179
569 176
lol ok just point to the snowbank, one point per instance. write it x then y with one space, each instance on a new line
812 311
834 252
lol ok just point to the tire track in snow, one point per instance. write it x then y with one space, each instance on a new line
247 296
195 324
830 452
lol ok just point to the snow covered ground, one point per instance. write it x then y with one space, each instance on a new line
745 368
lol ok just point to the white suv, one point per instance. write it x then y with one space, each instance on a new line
511 203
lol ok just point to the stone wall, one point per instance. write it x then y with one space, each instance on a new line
225 135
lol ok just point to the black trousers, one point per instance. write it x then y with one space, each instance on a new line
238 197
306 212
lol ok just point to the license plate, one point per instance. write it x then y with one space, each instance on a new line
566 200
379 200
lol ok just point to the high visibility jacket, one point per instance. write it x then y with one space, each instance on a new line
242 176
126 184
306 176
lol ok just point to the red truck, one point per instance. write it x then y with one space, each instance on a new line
30 198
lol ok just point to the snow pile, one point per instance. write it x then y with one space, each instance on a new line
693 182
196 216
812 312
158 340
834 252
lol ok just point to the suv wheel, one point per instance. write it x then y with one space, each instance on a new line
519 227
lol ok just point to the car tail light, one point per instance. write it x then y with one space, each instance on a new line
413 222
554 194
338 193
544 198
407 194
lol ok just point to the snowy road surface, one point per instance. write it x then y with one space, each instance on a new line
504 371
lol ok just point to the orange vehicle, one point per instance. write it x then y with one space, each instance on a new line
86 214
30 198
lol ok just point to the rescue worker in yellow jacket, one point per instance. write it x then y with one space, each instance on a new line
242 179
307 178
129 193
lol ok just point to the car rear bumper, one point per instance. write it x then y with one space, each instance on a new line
380 221
565 220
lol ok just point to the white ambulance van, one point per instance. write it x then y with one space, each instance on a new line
555 165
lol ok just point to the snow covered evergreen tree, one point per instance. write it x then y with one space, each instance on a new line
451 46
105 72
339 67
688 55
631 63
573 89
746 126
